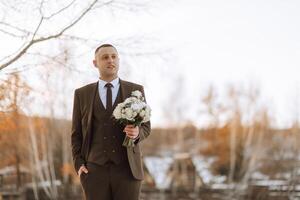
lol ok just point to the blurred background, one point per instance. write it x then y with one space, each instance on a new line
221 77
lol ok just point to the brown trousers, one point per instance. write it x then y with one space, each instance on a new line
110 182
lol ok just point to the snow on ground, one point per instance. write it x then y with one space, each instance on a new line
158 168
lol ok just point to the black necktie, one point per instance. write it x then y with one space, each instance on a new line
108 97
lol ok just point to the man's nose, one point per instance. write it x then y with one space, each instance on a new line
110 59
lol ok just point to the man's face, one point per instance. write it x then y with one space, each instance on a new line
107 62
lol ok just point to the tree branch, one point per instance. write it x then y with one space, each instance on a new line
16 28
11 34
60 10
41 39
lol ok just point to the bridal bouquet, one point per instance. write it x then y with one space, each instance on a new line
133 111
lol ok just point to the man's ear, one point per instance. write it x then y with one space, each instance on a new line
95 63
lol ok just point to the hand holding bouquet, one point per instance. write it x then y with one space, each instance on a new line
133 111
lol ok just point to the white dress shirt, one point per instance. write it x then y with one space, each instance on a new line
114 90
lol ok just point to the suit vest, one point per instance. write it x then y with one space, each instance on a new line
107 135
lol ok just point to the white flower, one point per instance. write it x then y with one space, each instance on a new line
130 100
134 114
137 106
128 113
123 116
143 104
137 94
142 113
147 114
118 112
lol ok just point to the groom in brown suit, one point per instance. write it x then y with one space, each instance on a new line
107 170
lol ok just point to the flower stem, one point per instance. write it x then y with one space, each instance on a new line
128 142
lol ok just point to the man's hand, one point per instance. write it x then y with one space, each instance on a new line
82 169
131 131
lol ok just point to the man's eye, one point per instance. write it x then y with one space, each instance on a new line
113 56
105 57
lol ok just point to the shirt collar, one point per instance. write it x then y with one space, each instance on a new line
114 82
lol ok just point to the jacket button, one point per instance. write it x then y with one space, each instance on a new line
104 138
113 151
114 136
104 151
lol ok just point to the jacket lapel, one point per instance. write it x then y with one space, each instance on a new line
90 101
91 105
125 90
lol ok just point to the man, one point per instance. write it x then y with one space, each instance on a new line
107 170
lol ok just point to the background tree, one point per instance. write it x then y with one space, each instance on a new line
14 92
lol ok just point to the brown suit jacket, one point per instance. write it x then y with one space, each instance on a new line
81 127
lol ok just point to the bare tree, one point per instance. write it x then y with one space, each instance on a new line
45 15
14 91
295 150
33 35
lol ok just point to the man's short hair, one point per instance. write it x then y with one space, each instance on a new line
104 45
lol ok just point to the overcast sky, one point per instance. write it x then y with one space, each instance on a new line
201 42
